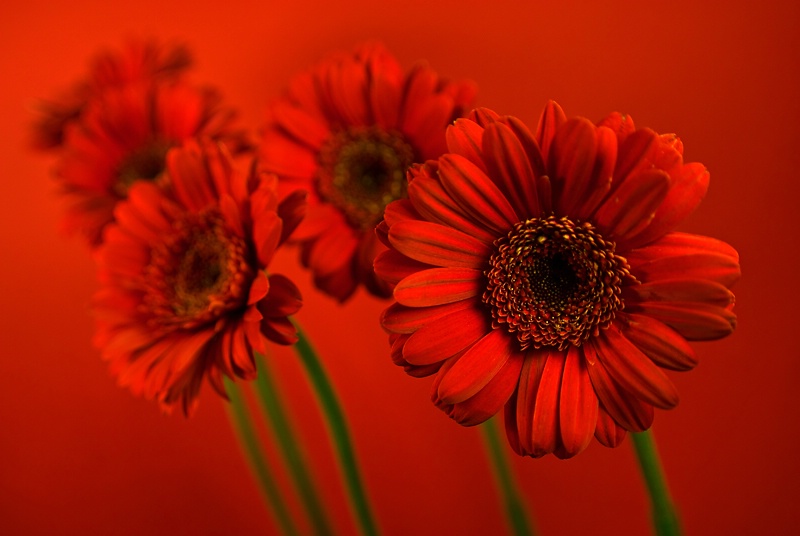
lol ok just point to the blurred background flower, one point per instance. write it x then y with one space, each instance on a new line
76 446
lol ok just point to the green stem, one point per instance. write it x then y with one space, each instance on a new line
337 425
290 448
665 517
249 443
510 495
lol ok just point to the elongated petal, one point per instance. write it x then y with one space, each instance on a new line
507 162
438 245
392 267
550 121
476 367
465 138
712 267
695 321
629 411
445 337
659 342
608 432
398 318
682 290
680 244
571 163
302 126
545 435
490 400
529 380
631 207
437 286
577 404
476 193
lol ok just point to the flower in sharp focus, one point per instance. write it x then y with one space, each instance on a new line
347 131
123 137
184 293
140 61
541 273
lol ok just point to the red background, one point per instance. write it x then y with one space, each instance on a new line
78 455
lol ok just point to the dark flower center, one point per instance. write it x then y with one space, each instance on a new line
554 282
362 170
197 273
145 163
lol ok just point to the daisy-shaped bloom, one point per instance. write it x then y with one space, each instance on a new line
123 136
541 272
346 132
140 61
184 293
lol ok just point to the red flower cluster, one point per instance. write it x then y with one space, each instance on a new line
185 295
540 272
346 132
116 128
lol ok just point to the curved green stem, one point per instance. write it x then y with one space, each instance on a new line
665 517
510 495
337 425
290 448
238 415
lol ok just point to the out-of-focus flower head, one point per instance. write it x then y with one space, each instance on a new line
540 272
139 61
347 131
123 136
184 290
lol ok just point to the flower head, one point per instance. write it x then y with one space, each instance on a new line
140 61
184 292
123 137
540 272
347 131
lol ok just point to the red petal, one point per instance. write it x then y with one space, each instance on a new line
608 432
601 178
681 290
332 250
398 318
438 245
529 380
695 321
631 207
551 119
507 162
284 298
712 267
437 286
476 368
689 186
679 244
633 370
384 95
301 125
476 193
465 138
392 267
659 342
577 404
627 410
258 288
571 163
435 204
266 236
491 399
635 153
292 209
446 336
545 435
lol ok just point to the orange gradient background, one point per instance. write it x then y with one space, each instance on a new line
78 455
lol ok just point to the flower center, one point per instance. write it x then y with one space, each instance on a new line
362 170
145 163
554 282
197 273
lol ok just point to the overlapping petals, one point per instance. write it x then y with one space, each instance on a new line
540 271
347 131
184 291
123 136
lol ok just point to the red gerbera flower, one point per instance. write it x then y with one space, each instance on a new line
123 136
139 61
347 132
184 293
540 272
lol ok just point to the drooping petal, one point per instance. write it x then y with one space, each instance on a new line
660 343
490 400
577 404
608 432
694 321
476 368
446 336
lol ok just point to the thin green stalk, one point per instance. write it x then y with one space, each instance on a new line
665 517
238 415
340 436
290 448
515 510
